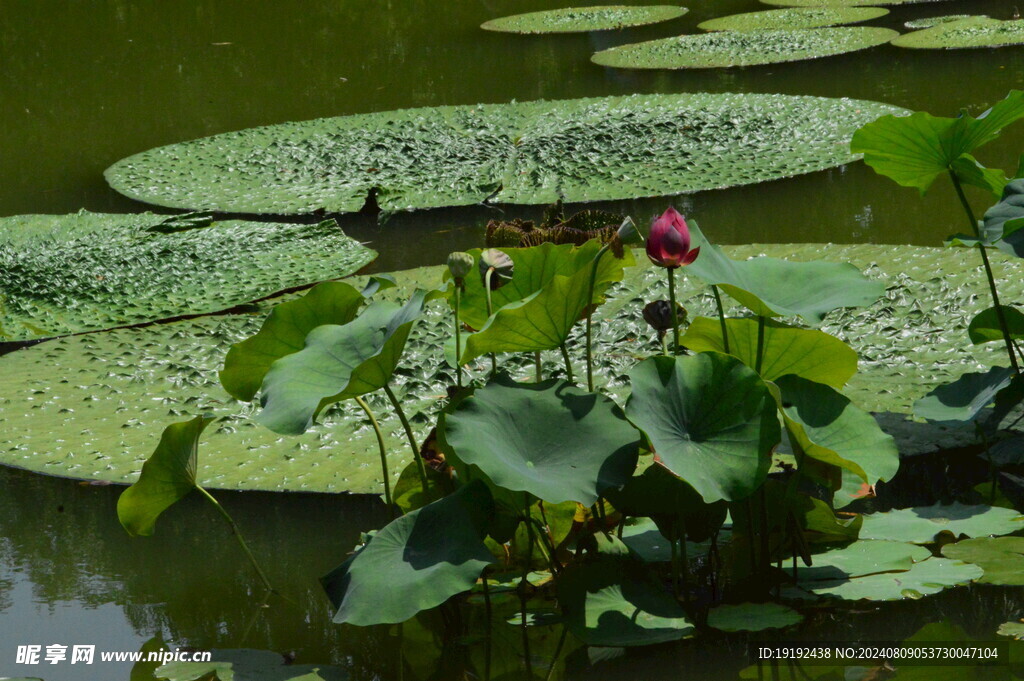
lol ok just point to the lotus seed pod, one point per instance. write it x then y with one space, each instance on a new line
658 315
460 264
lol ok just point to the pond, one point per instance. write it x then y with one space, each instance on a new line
86 83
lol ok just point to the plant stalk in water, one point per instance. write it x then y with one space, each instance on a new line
590 316
420 466
241 540
490 311
721 318
568 364
458 340
672 306
383 450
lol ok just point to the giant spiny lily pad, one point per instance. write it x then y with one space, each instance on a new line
798 17
841 3
920 525
554 441
1002 558
417 562
710 420
523 152
63 274
584 19
929 22
743 48
971 32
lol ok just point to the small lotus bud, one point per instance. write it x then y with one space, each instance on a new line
460 264
499 264
628 233
659 315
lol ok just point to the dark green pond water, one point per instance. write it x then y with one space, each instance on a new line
83 84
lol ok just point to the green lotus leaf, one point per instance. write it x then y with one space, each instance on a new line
284 332
914 150
841 3
743 48
1004 220
807 353
578 150
800 17
928 22
1012 629
643 538
923 579
920 525
550 439
248 665
168 476
831 429
672 503
337 363
584 19
614 601
64 274
710 420
978 31
416 562
1002 558
861 558
964 398
752 617
984 328
771 287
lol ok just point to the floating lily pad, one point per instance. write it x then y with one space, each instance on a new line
742 48
920 525
842 3
799 17
861 558
1012 629
64 274
247 665
973 32
929 22
752 617
523 152
923 579
584 19
1002 558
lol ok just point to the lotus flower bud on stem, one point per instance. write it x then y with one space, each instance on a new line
668 244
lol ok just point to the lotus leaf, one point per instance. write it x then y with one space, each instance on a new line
64 274
800 17
337 363
920 525
914 150
808 353
977 31
550 439
710 420
247 665
830 429
1004 220
752 617
1012 629
614 601
862 558
743 48
984 328
643 538
522 152
416 562
1002 558
673 504
924 578
928 22
584 19
964 398
772 287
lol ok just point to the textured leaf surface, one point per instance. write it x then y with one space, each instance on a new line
970 32
743 48
527 152
928 22
799 17
63 274
841 3
416 562
920 525
584 19
1002 558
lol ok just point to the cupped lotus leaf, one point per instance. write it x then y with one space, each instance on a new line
584 19
284 332
798 17
743 48
914 150
979 31
168 476
1002 558
64 274
614 601
964 398
752 617
808 353
521 152
831 429
673 504
337 363
1004 220
929 22
927 577
771 287
920 525
550 439
710 420
416 562
985 328
248 665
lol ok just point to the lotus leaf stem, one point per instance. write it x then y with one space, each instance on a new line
523 585
760 345
675 568
590 316
490 311
684 559
458 341
558 652
536 360
420 466
383 451
672 306
568 364
988 270
721 318
241 539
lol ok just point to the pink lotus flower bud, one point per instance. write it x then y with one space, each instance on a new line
669 242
